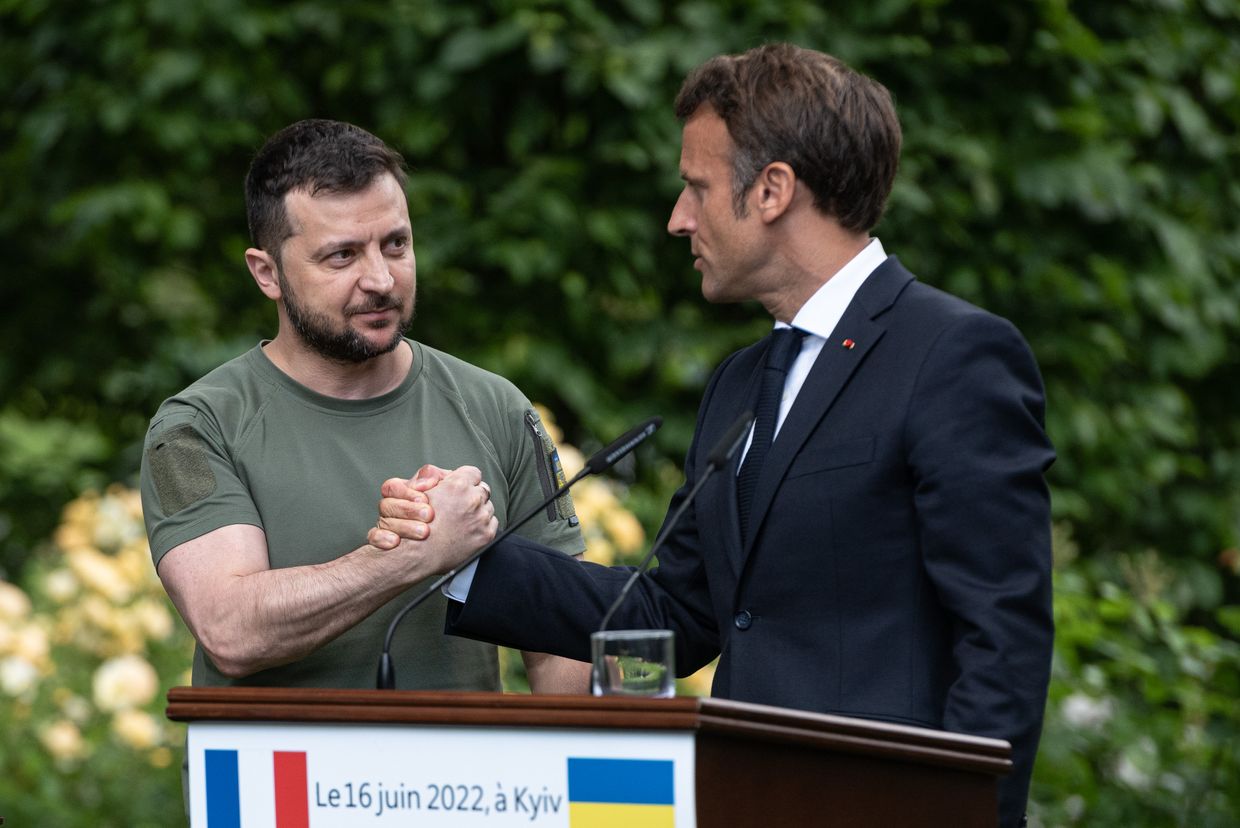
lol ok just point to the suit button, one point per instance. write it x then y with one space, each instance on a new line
743 620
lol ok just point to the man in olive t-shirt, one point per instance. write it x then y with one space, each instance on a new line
260 481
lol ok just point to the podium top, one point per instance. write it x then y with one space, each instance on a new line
705 717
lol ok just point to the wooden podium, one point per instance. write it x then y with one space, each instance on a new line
751 765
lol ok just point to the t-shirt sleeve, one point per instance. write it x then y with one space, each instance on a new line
189 484
536 474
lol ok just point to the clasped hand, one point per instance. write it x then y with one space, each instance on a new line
458 501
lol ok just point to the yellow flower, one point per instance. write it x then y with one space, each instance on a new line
128 634
133 561
63 740
571 460
123 682
548 421
137 729
100 573
600 551
161 757
81 512
14 604
31 643
625 529
154 618
88 625
72 536
590 499
95 612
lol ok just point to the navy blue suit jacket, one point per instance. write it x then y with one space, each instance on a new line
900 563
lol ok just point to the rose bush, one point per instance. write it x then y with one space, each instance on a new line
87 650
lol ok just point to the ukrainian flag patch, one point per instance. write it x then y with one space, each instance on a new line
611 793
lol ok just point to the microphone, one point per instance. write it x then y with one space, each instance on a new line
599 462
605 458
717 459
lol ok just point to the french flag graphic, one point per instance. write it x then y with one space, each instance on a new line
272 785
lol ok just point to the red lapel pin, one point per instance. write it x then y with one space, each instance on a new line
849 344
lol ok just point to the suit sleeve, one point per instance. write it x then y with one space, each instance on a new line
978 450
527 596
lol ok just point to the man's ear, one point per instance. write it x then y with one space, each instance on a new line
775 188
263 268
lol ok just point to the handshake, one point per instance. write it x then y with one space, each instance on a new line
457 502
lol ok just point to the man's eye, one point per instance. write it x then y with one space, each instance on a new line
399 243
341 255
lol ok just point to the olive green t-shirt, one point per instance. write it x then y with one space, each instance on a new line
248 445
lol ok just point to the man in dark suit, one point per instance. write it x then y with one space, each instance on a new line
887 554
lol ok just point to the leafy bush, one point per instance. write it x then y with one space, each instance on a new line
87 652
1142 726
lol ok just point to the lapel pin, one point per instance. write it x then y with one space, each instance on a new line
849 344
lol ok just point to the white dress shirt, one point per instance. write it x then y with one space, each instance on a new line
818 318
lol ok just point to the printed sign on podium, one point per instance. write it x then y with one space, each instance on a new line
313 776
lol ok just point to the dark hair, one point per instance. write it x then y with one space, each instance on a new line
836 128
316 156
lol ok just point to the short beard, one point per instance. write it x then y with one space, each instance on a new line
343 345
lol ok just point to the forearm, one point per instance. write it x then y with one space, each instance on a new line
248 616
274 617
554 674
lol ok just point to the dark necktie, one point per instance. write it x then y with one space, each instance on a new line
785 345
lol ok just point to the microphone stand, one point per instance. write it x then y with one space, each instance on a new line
717 459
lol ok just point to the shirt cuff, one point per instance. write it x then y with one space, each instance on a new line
458 588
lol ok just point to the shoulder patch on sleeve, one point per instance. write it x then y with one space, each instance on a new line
180 471
550 471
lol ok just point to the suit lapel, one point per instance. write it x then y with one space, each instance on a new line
832 370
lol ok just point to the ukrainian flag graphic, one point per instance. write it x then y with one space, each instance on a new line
620 793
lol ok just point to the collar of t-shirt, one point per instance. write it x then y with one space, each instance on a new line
818 318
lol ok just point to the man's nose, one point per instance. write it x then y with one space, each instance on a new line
376 277
682 221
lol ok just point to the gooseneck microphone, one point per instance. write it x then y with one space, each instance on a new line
599 462
717 459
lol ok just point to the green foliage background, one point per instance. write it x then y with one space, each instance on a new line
1072 166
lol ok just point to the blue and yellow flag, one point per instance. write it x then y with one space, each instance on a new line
620 793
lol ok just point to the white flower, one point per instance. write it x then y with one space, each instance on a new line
1086 712
1134 766
1127 772
75 708
1074 807
17 676
60 585
114 526
124 682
